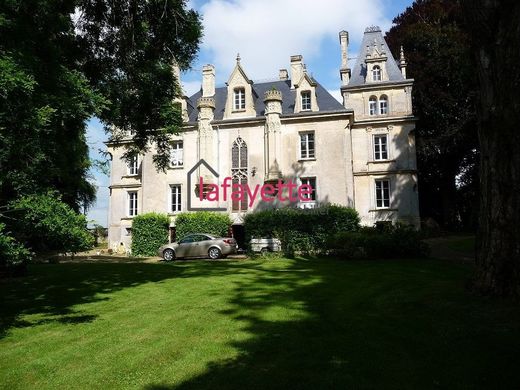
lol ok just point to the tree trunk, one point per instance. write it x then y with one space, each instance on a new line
495 31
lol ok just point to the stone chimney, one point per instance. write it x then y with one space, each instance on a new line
208 80
296 69
402 63
344 71
284 75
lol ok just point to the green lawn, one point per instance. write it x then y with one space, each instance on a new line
288 324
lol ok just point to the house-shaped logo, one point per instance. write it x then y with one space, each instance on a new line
189 194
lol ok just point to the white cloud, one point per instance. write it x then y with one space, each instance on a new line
267 32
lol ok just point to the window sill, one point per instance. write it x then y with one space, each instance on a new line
175 213
307 159
127 218
382 209
136 176
176 167
238 111
382 161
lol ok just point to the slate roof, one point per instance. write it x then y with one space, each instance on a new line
326 102
360 71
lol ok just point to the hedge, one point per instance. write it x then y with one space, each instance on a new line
208 222
149 233
13 255
301 230
394 241
45 223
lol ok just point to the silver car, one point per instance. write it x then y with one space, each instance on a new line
199 245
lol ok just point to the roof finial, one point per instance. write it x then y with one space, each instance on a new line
402 53
238 58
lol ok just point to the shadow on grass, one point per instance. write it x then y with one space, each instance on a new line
367 325
51 291
314 324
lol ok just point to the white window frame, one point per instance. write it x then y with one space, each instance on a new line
372 106
305 152
239 98
379 153
307 180
383 99
306 100
177 154
175 206
132 204
376 73
132 168
385 202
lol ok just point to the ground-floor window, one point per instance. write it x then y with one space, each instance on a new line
175 198
132 203
310 181
383 193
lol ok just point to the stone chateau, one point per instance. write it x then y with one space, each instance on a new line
360 153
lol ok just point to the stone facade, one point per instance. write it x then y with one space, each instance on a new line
359 154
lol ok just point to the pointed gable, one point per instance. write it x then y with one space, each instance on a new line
240 100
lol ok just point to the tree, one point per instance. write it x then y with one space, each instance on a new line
439 59
53 225
45 100
132 46
494 28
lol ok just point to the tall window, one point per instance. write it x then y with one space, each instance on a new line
311 181
383 105
239 171
175 198
380 147
382 193
307 146
372 105
177 154
306 100
132 203
239 99
376 73
133 165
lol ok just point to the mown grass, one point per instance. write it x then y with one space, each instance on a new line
262 324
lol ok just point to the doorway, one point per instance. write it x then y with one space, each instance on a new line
239 234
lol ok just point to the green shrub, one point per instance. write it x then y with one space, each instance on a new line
301 230
13 255
149 233
208 222
393 241
45 223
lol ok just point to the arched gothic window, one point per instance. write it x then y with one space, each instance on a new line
239 171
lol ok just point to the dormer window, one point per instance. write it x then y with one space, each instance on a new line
306 100
372 105
376 73
383 105
239 99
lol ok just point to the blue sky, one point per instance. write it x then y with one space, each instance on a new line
266 33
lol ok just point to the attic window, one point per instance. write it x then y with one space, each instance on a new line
376 73
306 100
239 99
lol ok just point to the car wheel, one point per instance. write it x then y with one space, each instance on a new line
214 253
168 255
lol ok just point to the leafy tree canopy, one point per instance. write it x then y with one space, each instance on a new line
439 59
